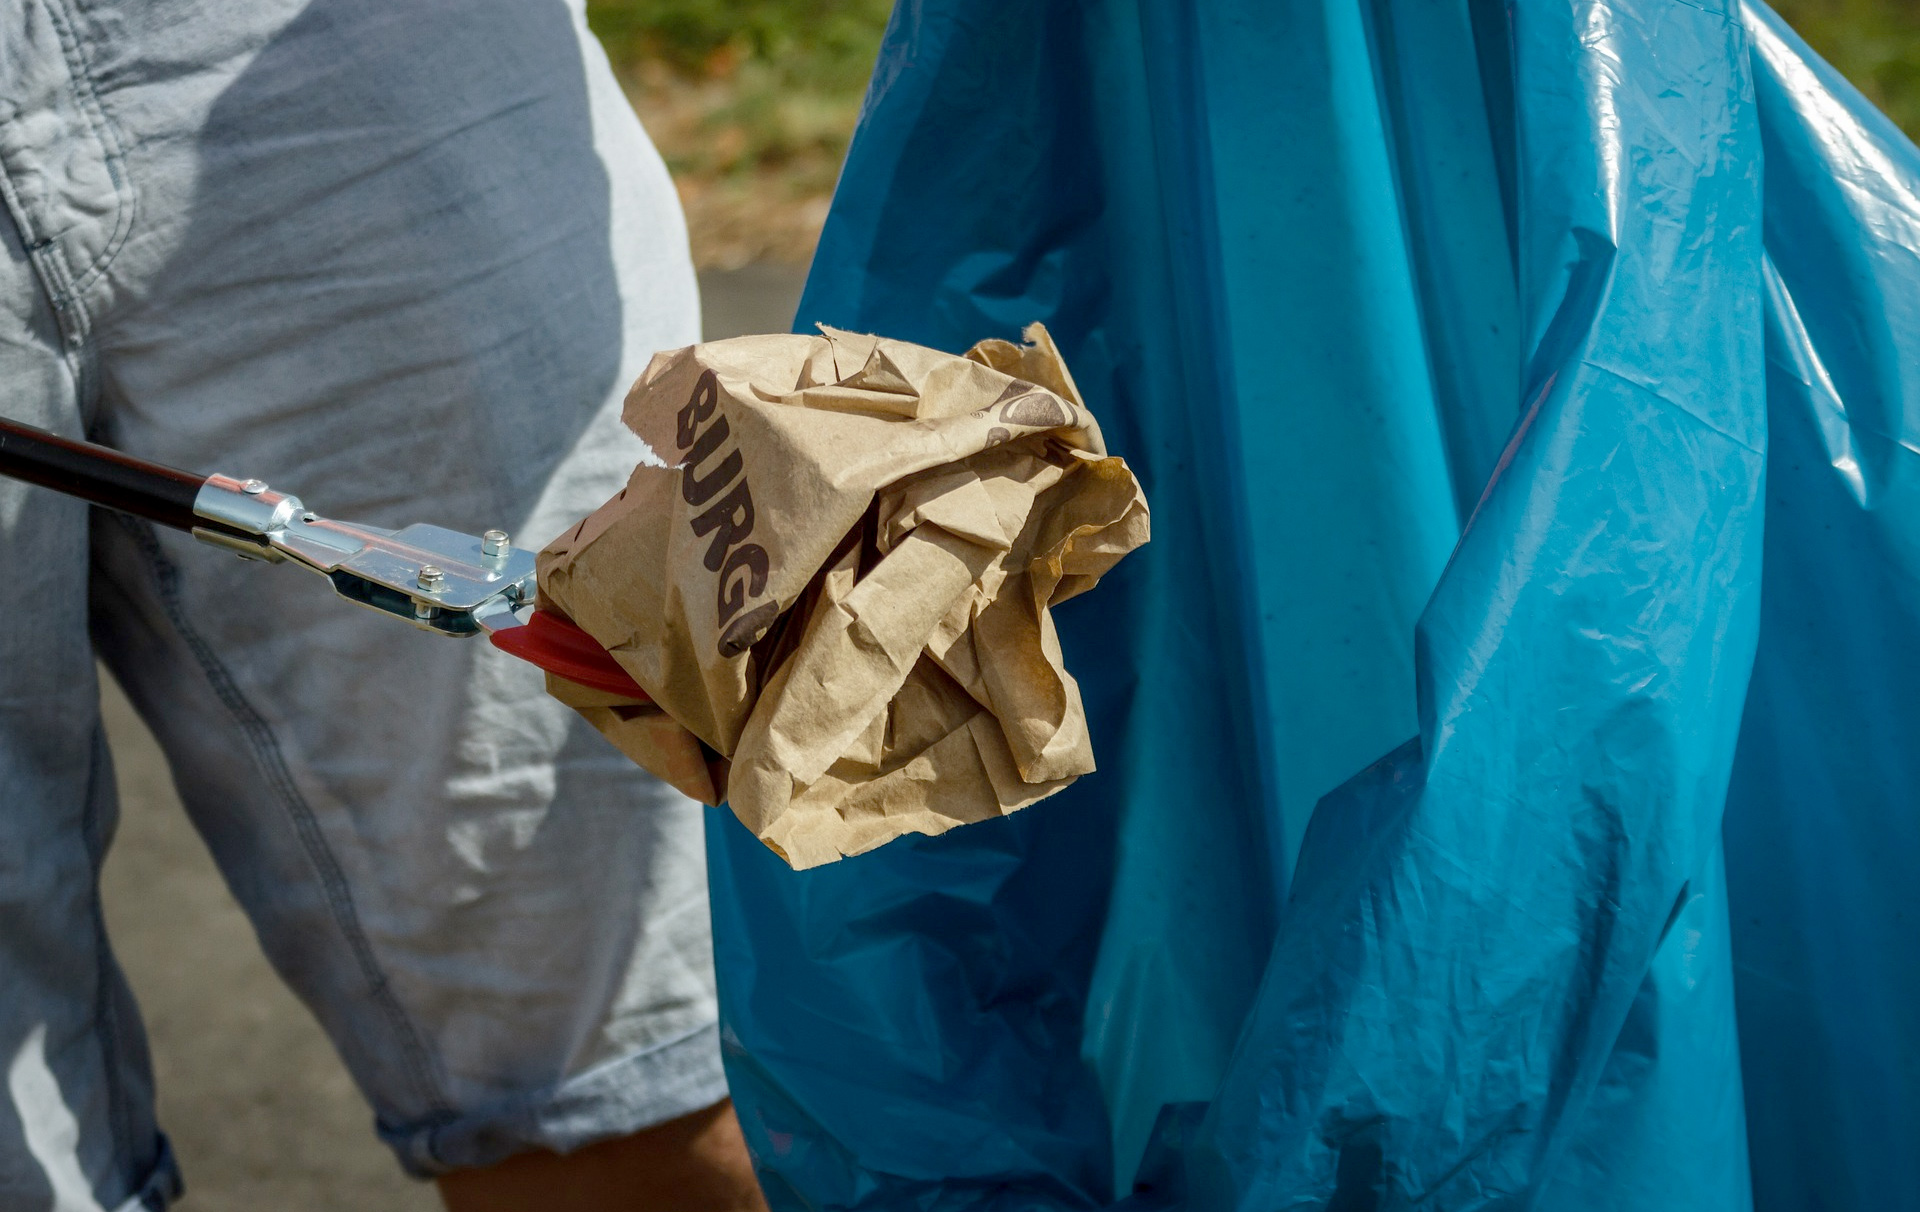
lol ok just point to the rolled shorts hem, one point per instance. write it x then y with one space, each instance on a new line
612 1100
162 1187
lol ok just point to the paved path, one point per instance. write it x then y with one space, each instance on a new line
259 1109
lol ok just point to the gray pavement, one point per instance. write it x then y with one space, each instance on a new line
258 1107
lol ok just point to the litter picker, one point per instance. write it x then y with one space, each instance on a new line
435 579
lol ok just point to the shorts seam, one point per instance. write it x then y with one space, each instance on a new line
272 763
106 1019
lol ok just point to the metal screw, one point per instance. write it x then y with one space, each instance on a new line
493 543
254 487
425 610
431 578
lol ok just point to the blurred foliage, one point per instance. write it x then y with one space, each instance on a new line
752 102
1874 43
795 69
818 44
786 76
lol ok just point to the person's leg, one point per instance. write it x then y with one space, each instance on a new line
77 1131
697 1163
402 261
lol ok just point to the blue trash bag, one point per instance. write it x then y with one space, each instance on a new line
1526 379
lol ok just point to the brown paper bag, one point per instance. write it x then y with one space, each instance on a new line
835 581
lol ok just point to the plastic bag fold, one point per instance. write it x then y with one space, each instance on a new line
1514 718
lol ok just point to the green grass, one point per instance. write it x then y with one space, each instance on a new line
820 45
791 73
1874 43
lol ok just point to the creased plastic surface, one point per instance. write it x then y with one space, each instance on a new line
1573 339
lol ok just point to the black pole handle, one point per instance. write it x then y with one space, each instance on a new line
101 475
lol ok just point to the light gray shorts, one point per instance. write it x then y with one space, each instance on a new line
400 257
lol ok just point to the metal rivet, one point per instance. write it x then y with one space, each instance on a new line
493 543
431 577
254 487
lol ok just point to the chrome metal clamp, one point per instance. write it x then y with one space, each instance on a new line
439 580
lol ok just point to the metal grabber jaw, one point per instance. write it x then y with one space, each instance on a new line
438 580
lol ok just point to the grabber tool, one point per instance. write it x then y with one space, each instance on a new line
438 580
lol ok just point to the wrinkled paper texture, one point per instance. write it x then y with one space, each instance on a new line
836 582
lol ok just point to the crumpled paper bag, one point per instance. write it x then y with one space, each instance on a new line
835 582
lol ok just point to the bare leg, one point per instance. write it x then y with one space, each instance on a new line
697 1163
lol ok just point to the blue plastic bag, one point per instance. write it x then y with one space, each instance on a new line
1526 380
